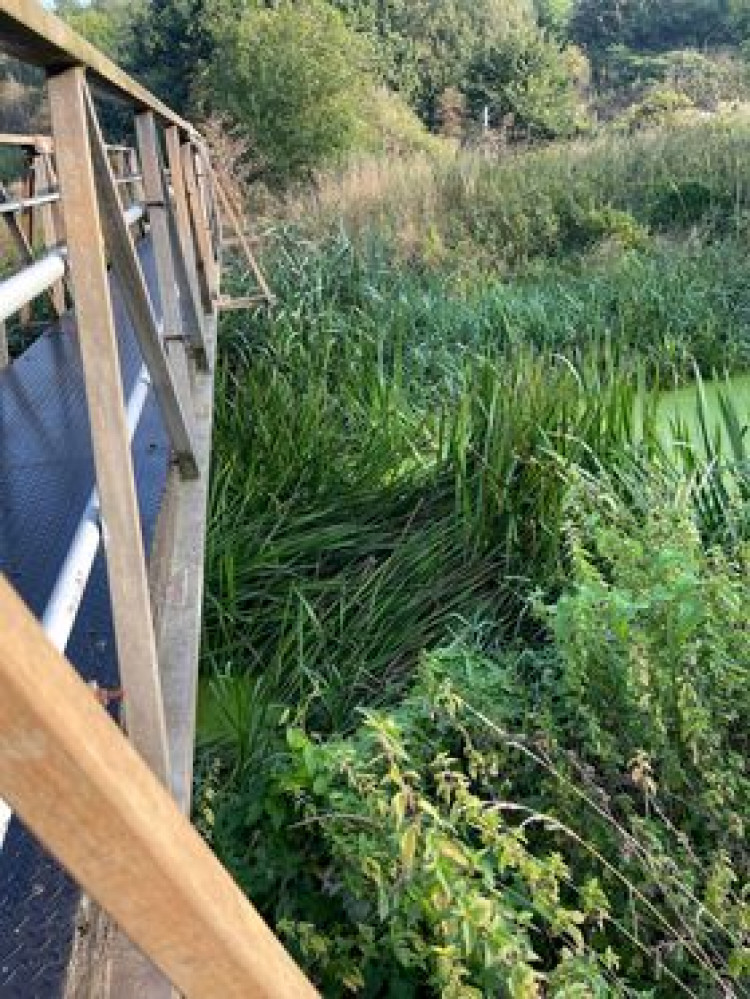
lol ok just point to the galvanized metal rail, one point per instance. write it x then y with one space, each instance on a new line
123 833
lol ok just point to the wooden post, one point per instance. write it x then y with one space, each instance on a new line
183 246
208 196
204 257
30 190
82 790
49 230
57 212
156 199
124 259
4 352
131 605
179 191
137 187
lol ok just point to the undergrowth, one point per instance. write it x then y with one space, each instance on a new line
474 714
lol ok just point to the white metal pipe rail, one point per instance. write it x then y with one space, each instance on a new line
120 832
22 288
28 284
65 601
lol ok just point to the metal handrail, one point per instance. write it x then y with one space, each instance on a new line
29 283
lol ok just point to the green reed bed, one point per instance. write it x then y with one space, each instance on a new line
473 701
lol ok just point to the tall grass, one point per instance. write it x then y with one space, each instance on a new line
397 453
376 486
504 212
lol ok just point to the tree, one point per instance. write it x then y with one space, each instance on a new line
105 23
296 80
533 79
169 46
425 47
554 16
651 24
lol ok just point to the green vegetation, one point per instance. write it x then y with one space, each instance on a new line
474 714
297 78
474 701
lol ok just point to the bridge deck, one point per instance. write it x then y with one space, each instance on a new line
46 476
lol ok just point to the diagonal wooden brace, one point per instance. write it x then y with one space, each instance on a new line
238 227
135 295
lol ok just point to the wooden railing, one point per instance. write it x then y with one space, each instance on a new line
123 833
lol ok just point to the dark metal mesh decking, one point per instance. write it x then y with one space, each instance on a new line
46 476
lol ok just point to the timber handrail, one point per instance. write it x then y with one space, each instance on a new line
34 35
118 831
113 811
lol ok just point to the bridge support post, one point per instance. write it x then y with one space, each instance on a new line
200 224
43 184
156 199
183 249
175 408
128 583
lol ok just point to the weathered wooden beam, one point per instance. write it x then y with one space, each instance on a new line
50 235
179 192
239 231
82 790
136 298
57 212
33 143
35 35
201 230
183 249
245 302
128 584
156 199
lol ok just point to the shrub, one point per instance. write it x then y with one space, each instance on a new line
658 106
531 78
295 79
539 820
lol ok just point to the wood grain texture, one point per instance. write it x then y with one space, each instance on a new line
131 608
50 235
35 35
124 259
119 833
183 249
201 230
156 198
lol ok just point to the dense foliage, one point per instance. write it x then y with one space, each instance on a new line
296 78
301 78
475 703
474 715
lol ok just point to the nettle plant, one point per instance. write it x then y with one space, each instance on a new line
655 654
432 876
567 820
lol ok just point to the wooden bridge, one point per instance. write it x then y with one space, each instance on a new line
105 441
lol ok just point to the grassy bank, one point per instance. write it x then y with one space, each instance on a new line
498 214
474 654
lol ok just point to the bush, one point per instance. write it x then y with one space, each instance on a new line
531 78
296 81
539 821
